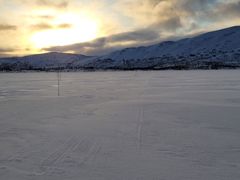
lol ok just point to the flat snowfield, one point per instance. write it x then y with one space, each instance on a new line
139 125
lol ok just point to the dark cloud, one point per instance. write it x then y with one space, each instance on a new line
110 43
225 11
6 50
46 17
169 24
185 15
204 11
51 3
136 36
46 26
212 11
41 26
194 7
64 26
154 3
6 27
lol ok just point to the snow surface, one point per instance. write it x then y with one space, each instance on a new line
151 125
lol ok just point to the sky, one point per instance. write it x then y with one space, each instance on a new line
96 27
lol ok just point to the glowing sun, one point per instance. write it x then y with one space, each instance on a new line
81 29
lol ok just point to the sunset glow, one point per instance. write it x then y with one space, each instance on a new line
90 27
81 29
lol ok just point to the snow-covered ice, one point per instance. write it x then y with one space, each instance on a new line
139 125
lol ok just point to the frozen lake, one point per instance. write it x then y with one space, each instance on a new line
143 125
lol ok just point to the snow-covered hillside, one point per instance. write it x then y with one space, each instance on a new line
224 40
221 47
46 61
218 49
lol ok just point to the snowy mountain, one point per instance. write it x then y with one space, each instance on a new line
45 61
218 49
224 40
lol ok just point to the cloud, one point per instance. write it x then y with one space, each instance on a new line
6 27
196 7
180 16
51 3
122 23
46 26
44 17
168 24
6 50
159 20
41 26
224 11
64 26
141 35
113 42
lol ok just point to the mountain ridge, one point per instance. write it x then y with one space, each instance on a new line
216 49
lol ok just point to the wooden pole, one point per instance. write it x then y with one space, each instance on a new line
58 79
